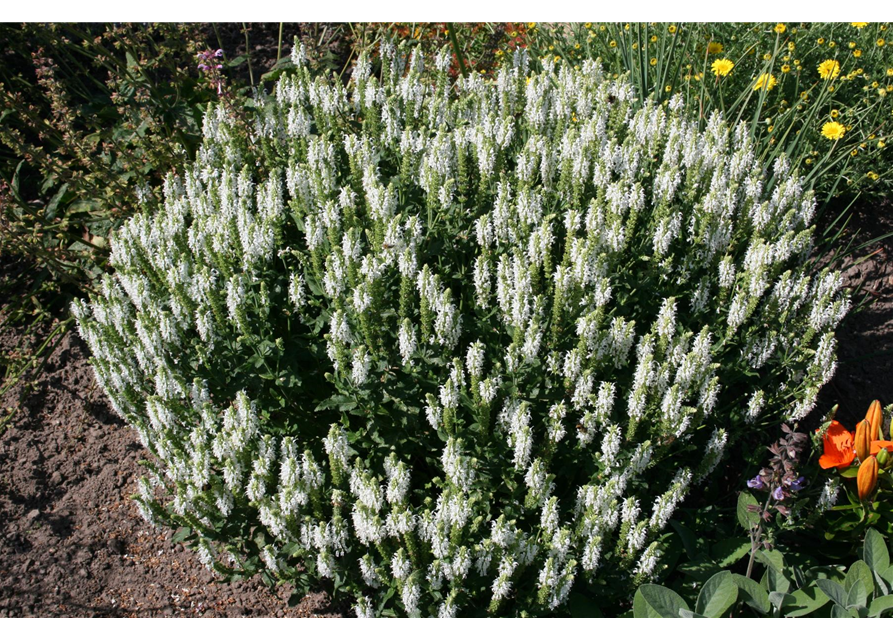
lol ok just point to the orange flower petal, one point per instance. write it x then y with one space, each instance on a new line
877 445
839 451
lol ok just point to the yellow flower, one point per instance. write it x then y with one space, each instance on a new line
653 38
820 41
613 43
500 52
767 56
881 144
880 42
780 28
854 152
832 44
833 130
791 46
653 61
829 69
859 25
768 80
531 25
851 45
672 28
785 68
890 72
804 95
587 25
557 58
722 67
872 175
858 53
668 88
770 128
835 113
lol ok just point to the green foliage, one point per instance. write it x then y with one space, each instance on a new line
787 590
91 118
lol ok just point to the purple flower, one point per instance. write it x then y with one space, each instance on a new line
798 484
778 494
756 483
218 53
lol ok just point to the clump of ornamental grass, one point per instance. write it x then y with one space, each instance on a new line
457 347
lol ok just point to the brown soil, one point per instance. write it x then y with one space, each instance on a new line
865 338
72 543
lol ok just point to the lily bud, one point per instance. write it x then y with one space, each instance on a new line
883 457
866 480
875 416
863 440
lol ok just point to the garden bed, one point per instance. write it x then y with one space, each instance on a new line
73 544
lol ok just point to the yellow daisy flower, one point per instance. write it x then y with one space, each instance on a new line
829 69
857 53
859 25
833 130
785 68
765 80
653 61
880 42
780 28
672 28
722 67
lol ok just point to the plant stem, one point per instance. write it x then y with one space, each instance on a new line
755 537
455 45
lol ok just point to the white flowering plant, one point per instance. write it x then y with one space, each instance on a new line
459 348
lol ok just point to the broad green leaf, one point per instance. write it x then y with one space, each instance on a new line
804 601
880 605
772 558
778 599
839 612
777 581
833 590
728 552
859 572
747 519
849 472
641 609
717 595
875 551
752 594
857 596
656 601
881 584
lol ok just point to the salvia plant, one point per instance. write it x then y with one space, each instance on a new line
458 347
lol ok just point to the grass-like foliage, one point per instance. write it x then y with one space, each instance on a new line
457 347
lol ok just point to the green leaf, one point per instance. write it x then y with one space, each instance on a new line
181 535
833 590
717 595
859 572
804 601
656 601
752 594
747 519
839 612
688 539
857 596
849 472
880 605
701 569
875 551
729 551
778 599
772 558
777 581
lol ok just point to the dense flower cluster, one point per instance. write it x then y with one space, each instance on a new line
439 337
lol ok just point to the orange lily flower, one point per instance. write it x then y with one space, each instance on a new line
839 451
877 445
